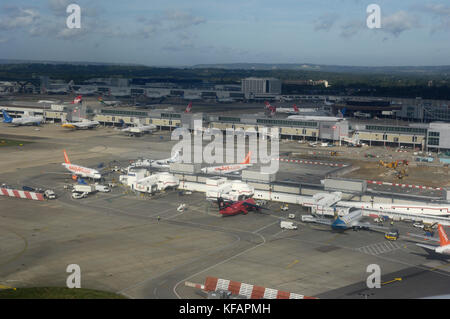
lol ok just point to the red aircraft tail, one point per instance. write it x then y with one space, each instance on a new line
443 236
247 158
188 108
66 158
77 100
295 108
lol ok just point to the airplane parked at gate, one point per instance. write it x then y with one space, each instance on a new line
24 120
84 124
78 170
287 110
227 169
349 221
235 208
163 163
108 103
444 243
138 128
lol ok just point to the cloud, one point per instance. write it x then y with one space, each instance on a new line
325 22
16 18
182 20
59 7
169 21
352 28
441 13
399 22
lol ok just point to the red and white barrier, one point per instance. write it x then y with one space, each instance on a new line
405 185
309 162
250 291
21 194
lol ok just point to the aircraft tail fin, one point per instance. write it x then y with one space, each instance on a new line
77 100
220 202
247 158
175 157
442 236
6 117
295 108
188 108
66 158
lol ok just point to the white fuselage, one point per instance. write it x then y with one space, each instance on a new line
314 118
225 169
349 220
286 110
27 120
443 250
442 210
82 171
82 125
139 129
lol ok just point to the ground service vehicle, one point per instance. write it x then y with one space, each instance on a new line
392 235
287 225
102 188
49 194
79 195
83 188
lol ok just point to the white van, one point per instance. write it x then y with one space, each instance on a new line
308 218
102 188
287 225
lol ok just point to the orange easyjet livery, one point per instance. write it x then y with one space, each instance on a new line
78 170
226 169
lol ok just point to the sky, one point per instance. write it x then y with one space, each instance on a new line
184 33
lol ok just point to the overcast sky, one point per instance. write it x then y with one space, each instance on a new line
187 32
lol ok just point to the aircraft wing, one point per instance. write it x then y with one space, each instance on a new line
235 172
424 237
254 206
371 226
429 247
79 125
322 221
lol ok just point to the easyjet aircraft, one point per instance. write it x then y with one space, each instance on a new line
226 169
444 243
78 170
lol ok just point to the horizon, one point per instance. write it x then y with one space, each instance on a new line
25 61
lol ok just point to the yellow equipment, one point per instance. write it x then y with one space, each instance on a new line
392 235
389 165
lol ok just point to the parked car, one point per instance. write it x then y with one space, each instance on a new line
79 195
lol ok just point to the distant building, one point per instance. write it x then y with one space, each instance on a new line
260 86
438 136
308 82
425 111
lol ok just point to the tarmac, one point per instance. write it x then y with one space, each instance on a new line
142 247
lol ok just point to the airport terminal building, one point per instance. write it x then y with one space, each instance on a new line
433 136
